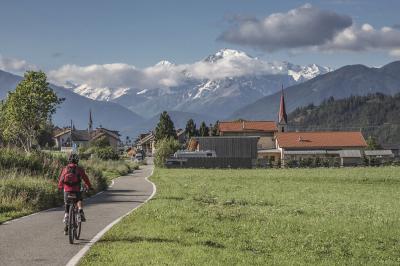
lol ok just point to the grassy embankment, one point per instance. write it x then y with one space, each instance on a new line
258 217
28 183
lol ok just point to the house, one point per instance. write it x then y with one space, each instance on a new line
68 137
264 130
180 133
326 145
112 136
146 143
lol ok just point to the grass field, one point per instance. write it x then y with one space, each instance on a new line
258 217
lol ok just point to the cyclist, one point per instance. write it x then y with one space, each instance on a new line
71 180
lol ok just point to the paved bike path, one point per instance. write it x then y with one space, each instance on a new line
39 239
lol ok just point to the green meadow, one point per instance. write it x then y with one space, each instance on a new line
257 217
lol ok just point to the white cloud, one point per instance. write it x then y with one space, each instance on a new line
365 38
309 28
225 63
15 65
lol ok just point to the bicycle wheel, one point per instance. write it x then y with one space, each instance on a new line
78 226
71 223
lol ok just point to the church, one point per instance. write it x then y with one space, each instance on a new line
278 145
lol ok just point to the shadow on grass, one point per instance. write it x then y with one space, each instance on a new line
137 239
169 198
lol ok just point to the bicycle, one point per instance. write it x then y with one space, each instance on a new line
74 219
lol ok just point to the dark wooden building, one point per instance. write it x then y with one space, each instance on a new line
230 147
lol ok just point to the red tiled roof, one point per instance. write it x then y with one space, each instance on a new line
331 139
247 126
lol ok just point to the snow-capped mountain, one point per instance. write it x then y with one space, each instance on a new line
217 85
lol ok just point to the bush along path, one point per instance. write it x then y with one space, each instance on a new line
28 182
39 240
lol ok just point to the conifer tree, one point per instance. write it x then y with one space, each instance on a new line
203 130
165 127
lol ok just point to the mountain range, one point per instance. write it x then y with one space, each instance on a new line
341 83
216 86
226 85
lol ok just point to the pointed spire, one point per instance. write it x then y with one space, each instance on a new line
282 117
90 120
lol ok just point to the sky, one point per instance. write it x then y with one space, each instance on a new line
50 34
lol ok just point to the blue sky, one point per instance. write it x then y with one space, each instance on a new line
50 34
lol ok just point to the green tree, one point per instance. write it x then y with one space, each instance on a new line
165 127
27 110
45 137
165 148
102 142
372 144
190 129
203 130
215 129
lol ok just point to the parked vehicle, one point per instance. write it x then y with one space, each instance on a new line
138 158
195 154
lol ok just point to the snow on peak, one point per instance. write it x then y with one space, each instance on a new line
164 63
226 54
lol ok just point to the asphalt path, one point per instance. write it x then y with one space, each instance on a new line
39 239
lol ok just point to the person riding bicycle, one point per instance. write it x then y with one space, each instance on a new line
71 180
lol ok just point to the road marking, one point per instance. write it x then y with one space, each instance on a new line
75 259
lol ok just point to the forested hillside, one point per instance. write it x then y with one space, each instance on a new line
377 115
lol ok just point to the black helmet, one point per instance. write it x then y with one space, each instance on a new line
73 158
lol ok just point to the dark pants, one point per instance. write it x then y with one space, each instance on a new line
66 193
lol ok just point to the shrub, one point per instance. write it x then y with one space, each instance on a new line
317 162
164 149
106 153
292 164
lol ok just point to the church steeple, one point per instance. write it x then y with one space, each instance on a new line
282 116
90 128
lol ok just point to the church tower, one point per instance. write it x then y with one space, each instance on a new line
90 125
282 116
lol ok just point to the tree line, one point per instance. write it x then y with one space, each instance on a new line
376 115
166 128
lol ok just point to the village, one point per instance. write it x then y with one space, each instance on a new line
251 144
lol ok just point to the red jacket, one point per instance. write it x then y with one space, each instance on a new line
79 172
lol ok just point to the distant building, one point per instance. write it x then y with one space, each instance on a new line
81 138
346 146
146 143
265 130
66 138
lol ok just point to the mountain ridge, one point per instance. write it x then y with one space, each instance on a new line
341 83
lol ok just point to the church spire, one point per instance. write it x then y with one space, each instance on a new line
90 121
282 116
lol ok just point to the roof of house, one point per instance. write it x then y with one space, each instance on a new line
247 126
99 132
77 135
83 135
149 137
318 140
